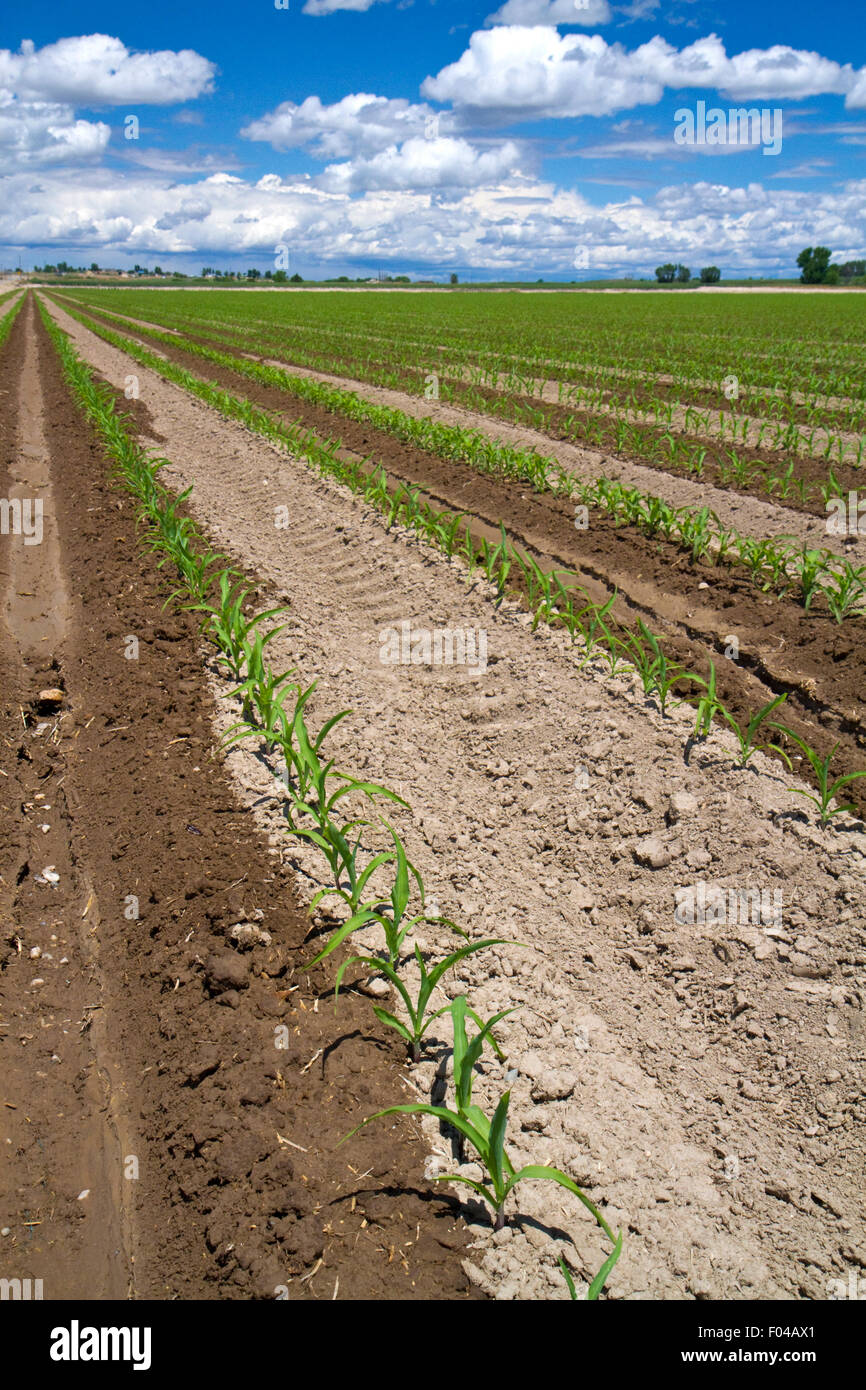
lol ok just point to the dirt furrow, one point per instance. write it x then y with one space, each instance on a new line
67 1213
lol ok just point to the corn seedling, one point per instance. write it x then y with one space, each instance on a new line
226 625
827 791
650 662
746 735
396 924
264 694
335 842
467 1052
418 1013
812 564
707 705
846 591
598 1282
487 1137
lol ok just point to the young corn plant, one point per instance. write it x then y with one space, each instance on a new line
487 1138
707 705
747 735
303 758
396 924
827 790
547 596
845 591
466 1053
596 625
419 1016
598 1282
341 851
302 751
657 675
226 625
197 572
811 565
264 695
497 561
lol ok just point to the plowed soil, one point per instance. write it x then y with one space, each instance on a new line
170 1105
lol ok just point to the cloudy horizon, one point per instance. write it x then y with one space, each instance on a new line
537 138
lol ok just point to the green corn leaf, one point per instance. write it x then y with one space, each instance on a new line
439 1112
359 919
392 1022
496 1142
601 1278
541 1172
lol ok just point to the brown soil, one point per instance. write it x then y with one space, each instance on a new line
153 1044
819 664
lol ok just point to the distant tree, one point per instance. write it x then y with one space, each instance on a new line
296 278
683 274
157 269
849 270
254 275
710 275
814 263
665 273
454 280
94 266
832 275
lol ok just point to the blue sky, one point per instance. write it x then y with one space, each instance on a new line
528 138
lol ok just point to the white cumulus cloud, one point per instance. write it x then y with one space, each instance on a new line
528 73
41 88
97 70
551 12
512 226
422 164
43 133
358 125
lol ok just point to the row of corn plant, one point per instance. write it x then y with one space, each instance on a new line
9 317
781 564
635 439
274 707
693 361
557 598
